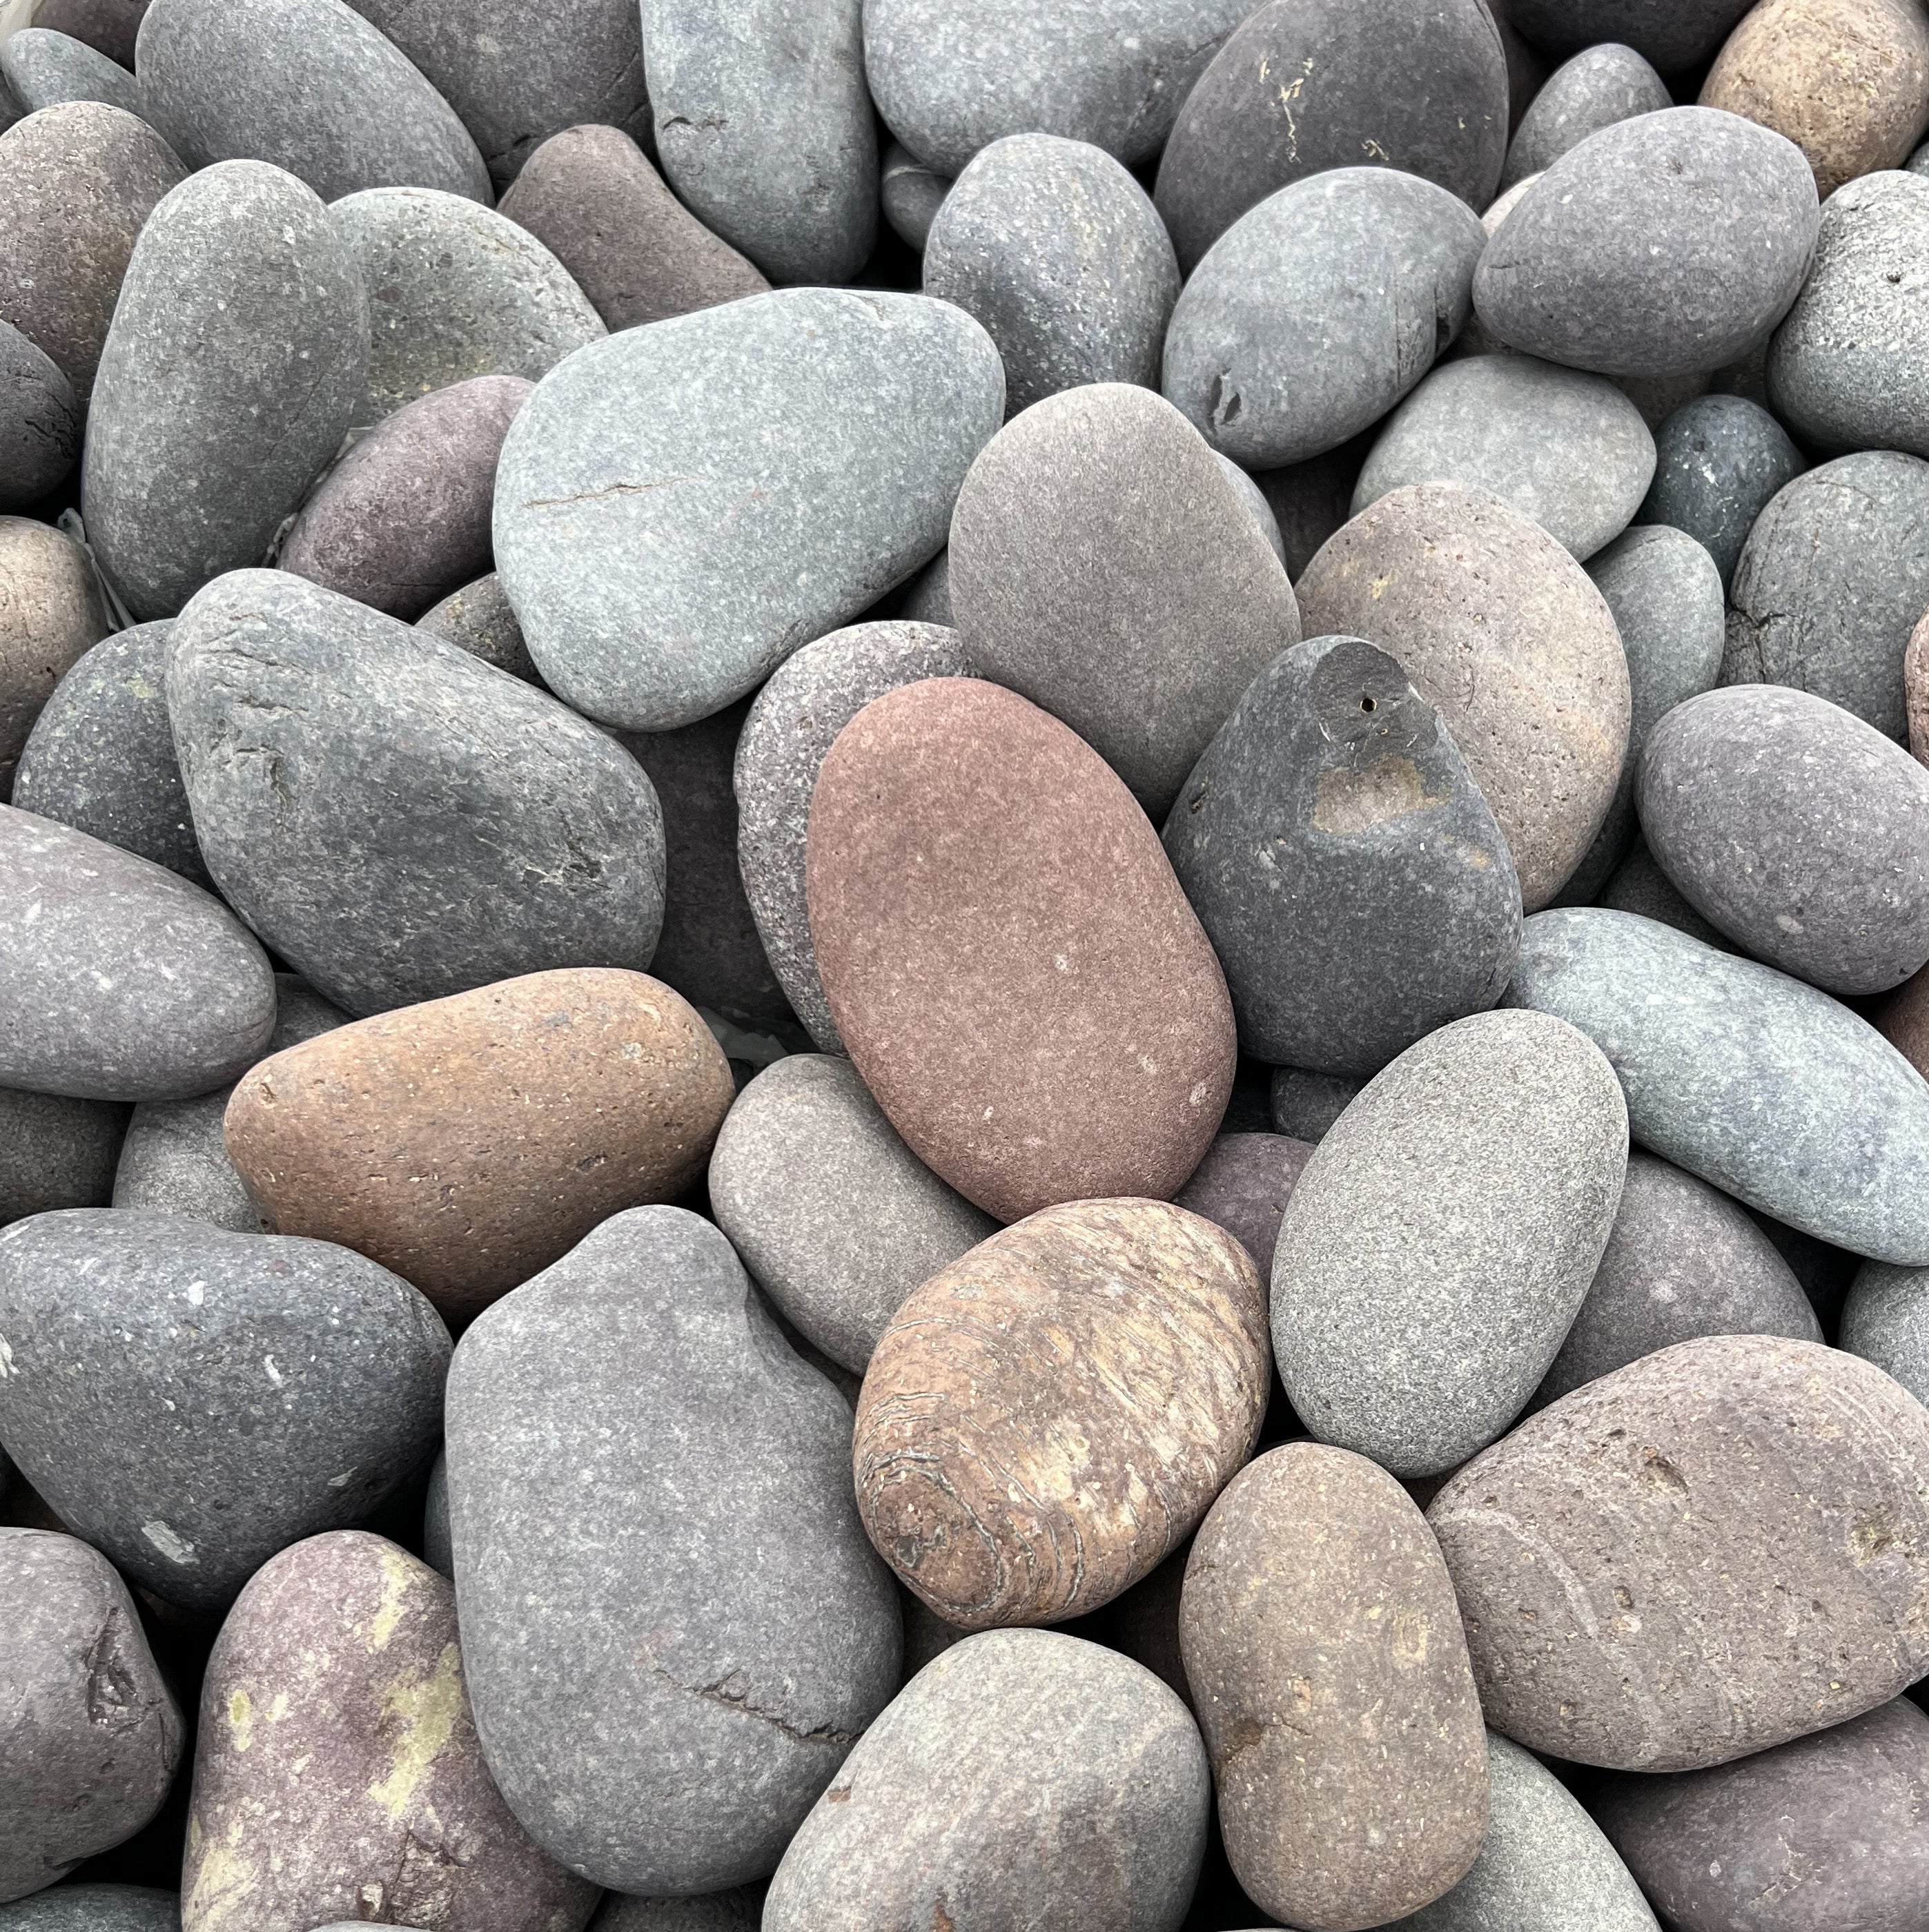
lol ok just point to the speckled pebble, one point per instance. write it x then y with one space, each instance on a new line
1601 85
1719 461
43 67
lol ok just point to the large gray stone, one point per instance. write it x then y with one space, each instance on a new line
212 1397
1317 311
40 421
1758 1083
95 1908
1601 85
43 67
1102 566
1885 1320
679 508
309 85
1672 34
1443 1236
56 1153
120 981
1719 460
237 355
651 1516
1055 247
1624 258
489 831
1347 870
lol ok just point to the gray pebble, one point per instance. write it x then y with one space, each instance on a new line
1055 247
40 421
56 1153
1640 886
1672 34
927 597
436 1551
650 1494
1885 1320
740 1909
1624 258
1315 313
911 193
212 1397
1312 499
1918 163
1242 1185
480 620
1761 1085
308 84
1344 864
110 26
1599 86
1254 498
43 68
1719 459
679 508
1305 1104
95 1908
50 613
1658 397
836 1217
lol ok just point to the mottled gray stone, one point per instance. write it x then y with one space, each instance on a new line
1640 886
836 1217
1832 579
308 84
91 1733
1848 369
740 1909
108 25
454 291
911 193
1443 1236
480 620
95 1908
1758 1083
1305 85
1601 85
1346 868
490 832
1624 257
765 130
50 613
1315 312
680 508
55 1152
1254 498
1719 459
210 1397
1243 1184
790 727
1672 34
1024 1777
40 421
1566 449
1102 566
232 369
1055 247
927 597
1305 1104
650 1507
43 67
1885 1320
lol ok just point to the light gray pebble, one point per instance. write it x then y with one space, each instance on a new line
43 68
911 194
1719 460
1599 86
55 1152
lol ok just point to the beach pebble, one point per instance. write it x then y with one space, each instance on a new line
1305 1105
1250 493
1601 85
1719 460
56 1153
50 613
109 26
40 422
43 67
1885 1320
95 1908
1672 34
739 1910
910 194
1242 1185
480 620
1310 500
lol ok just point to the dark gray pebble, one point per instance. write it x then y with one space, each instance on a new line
1640 886
926 598
1719 460
739 1910
108 25
1672 34
1599 86
480 620
1305 1104
95 1908
911 193
40 421
55 1152
1885 1320
43 67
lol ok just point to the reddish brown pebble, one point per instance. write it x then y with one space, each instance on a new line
1007 955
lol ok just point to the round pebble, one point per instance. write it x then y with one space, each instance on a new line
1601 85
1719 461
50 613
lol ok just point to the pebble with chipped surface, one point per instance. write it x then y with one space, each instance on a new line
1719 460
50 613
1601 85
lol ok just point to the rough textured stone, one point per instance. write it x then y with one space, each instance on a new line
76 182
836 1217
1350 876
1025 1776
120 981
1102 566
338 1769
910 194
790 727
49 613
1672 34
469 1142
191 1400
40 422
1005 1482
669 533
490 831
1053 246
1009 958
236 354
55 1153
1442 1237
1566 449
43 67
590 196
479 619
1885 1320
1242 1185
402 521
1419 86
1323 1647
1315 312
706 1583
308 84
1599 86
1445 579
455 291
1770 1540
1624 258
91 1733
1305 1105
1719 461
95 1908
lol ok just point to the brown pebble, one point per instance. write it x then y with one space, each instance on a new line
50 613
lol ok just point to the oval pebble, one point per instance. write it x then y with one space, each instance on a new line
1242 1185
1601 85
55 1153
1719 460
1305 1105
1885 1320
95 1908
911 194
40 423
480 620
43 67
50 613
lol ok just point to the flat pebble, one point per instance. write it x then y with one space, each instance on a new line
1672 34
1242 1185
1601 85
43 67
911 193
1305 1104
40 422
95 1908
56 1153
480 620
50 613
1885 1320
1719 460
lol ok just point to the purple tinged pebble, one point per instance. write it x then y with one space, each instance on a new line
1601 85
1243 1184
50 613
1719 460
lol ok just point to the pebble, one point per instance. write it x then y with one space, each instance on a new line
1601 85
1305 1105
1101 566
93 1733
50 613
650 1504
39 424
910 194
926 597
1242 1185
95 1908
1024 1777
1011 964
1343 862
668 536
337 1769
1885 1320
836 1218
1324 1649
1623 259
107 25
1719 460
212 1397
308 84
1441 1239
480 620
1312 499
1250 493
1315 312
1443 578
1915 690
490 833
1009 1480
1672 34
739 1910
590 196
55 1153
468 1143
43 67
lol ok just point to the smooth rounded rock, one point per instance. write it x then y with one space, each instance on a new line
1885 1320
1305 1105
1242 1185
95 1908
1719 461
56 1153
50 613
1250 493
1601 85
40 422
480 620
1672 34
43 67
910 194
